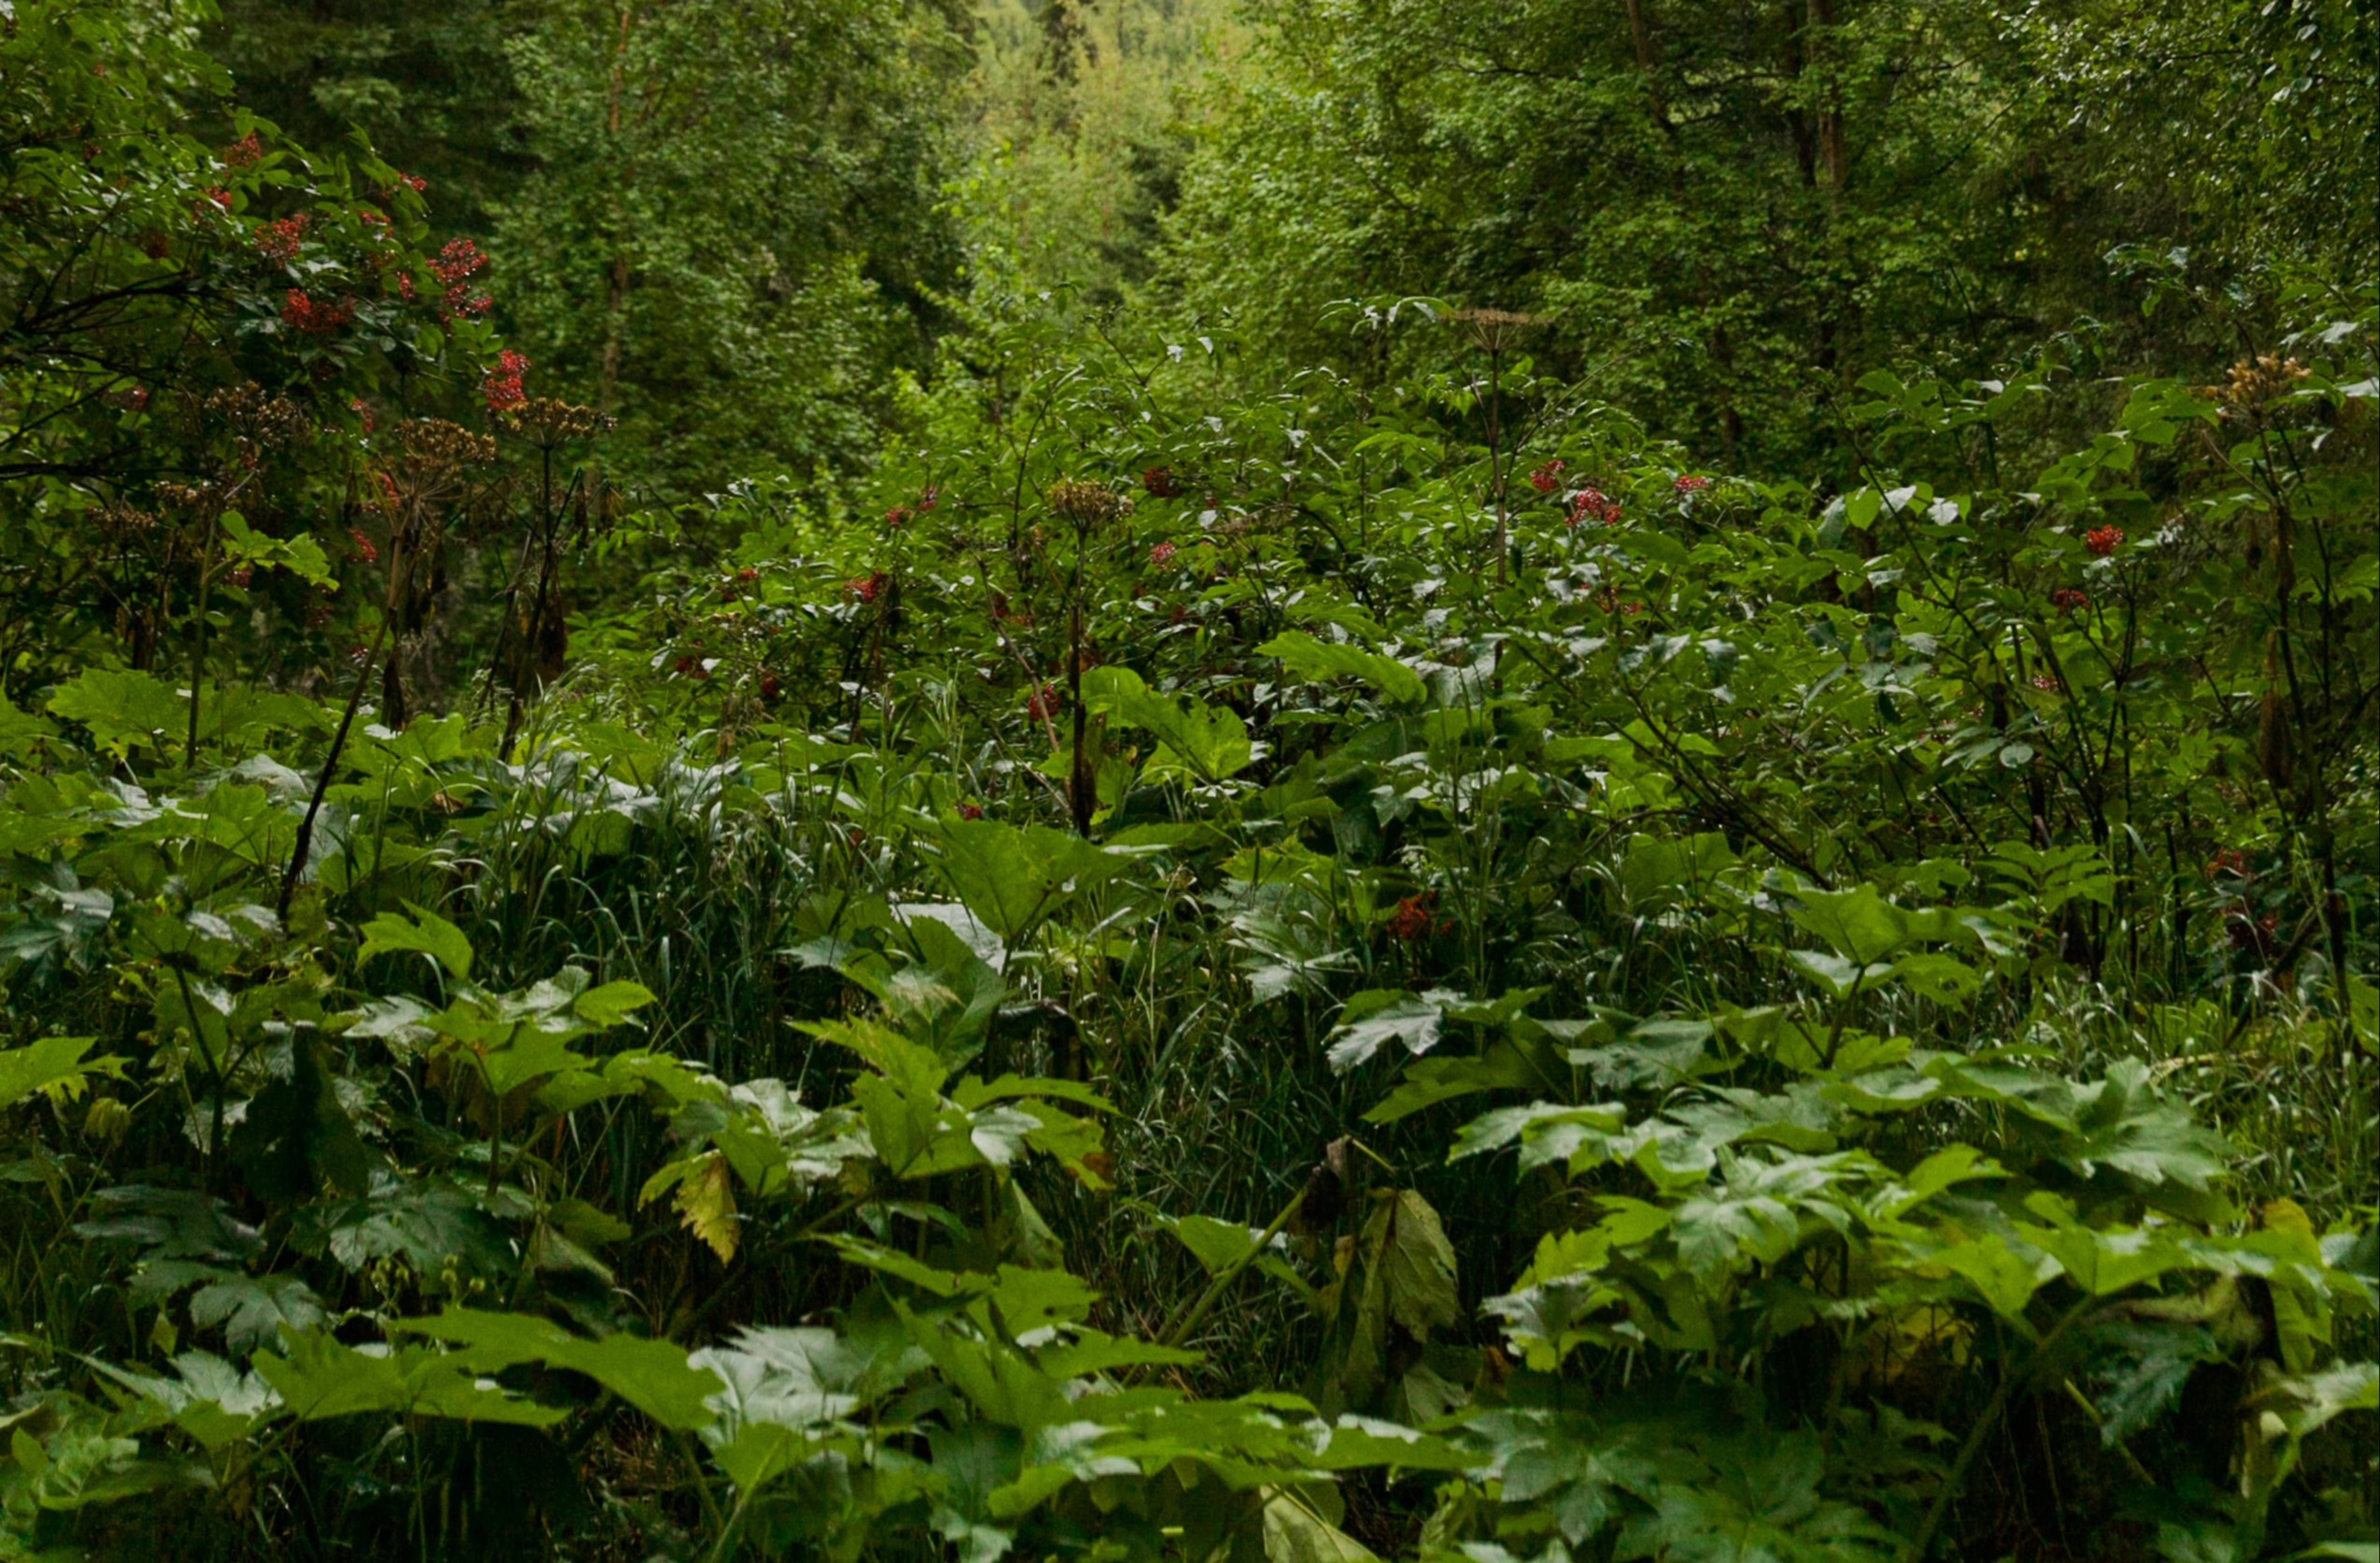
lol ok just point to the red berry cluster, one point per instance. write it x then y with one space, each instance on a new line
2104 541
1162 555
2070 600
2228 860
245 153
2251 933
455 266
1691 483
502 391
1547 479
280 239
314 317
1593 502
1415 918
1160 483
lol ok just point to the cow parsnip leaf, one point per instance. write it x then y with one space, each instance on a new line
655 1376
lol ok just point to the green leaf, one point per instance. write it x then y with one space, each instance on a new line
1752 1218
320 1379
1657 873
427 933
253 1309
1416 1264
122 709
1499 1068
1012 876
653 1375
610 1004
1859 922
19 730
53 1067
2105 1262
1379 1016
1294 1533
1217 1245
1301 653
2004 1281
1209 741
2313 1401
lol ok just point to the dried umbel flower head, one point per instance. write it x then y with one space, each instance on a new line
119 521
2253 382
1492 331
550 420
435 441
256 415
1086 506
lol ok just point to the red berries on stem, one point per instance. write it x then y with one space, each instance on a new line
502 389
1593 502
314 317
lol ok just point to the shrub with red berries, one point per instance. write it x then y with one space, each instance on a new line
315 317
1592 504
1547 479
2104 541
1415 918
280 240
502 390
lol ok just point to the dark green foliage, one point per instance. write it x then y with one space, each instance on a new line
1165 949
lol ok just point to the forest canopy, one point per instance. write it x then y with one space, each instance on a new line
1190 779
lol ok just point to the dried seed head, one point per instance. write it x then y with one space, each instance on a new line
435 441
2253 382
255 415
1492 331
119 521
1087 504
550 420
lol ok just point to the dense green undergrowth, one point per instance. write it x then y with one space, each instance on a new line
1379 965
1383 966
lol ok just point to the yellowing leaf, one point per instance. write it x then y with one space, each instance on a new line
706 1203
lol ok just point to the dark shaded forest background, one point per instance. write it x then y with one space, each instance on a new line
739 227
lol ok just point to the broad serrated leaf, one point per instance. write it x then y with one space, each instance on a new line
655 1376
1375 1018
426 932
